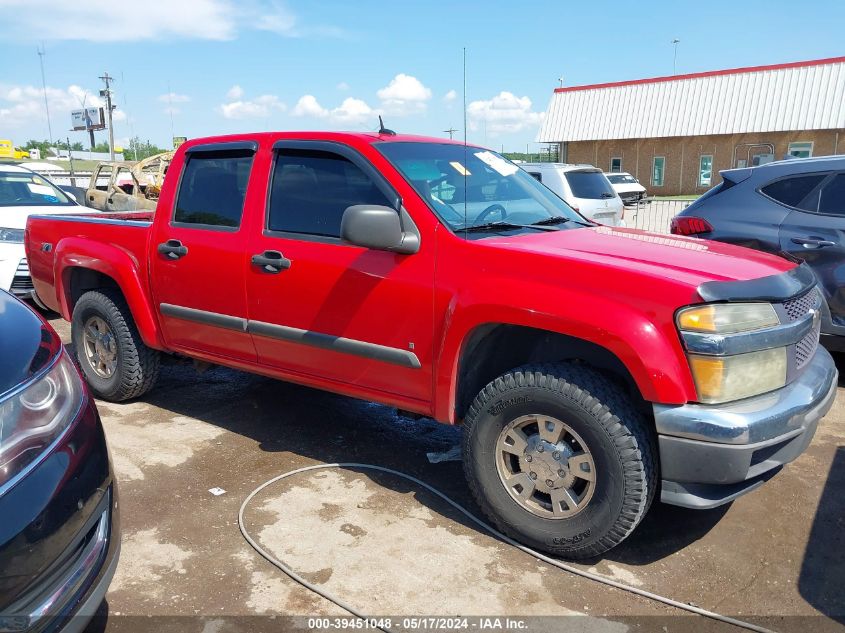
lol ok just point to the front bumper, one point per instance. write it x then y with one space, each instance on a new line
712 454
60 539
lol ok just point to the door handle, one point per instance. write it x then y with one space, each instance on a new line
91 198
271 262
812 242
172 249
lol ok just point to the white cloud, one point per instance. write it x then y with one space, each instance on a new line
343 86
172 97
351 112
109 21
450 96
404 95
505 113
308 106
23 105
259 108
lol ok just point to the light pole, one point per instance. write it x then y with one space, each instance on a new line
675 43
41 54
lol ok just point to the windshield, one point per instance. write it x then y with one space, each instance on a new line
24 189
470 186
621 179
591 185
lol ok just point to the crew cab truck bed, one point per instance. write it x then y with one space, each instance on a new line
593 368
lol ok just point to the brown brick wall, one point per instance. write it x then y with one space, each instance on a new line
682 155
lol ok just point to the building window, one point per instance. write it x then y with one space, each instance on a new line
616 164
800 149
657 171
705 170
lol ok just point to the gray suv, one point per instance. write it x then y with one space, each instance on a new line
794 208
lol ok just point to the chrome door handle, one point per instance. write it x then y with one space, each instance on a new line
811 242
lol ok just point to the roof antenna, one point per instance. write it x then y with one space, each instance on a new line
384 130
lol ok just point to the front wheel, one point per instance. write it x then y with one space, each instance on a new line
116 363
559 459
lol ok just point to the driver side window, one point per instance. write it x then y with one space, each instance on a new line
312 188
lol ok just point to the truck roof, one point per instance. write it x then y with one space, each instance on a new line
342 137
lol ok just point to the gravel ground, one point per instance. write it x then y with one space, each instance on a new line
776 556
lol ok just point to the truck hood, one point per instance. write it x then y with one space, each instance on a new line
15 217
689 261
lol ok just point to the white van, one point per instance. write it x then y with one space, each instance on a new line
627 187
584 188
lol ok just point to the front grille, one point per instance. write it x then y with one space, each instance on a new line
796 309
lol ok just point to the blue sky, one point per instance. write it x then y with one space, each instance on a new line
265 64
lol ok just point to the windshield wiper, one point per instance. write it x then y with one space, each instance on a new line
502 224
555 219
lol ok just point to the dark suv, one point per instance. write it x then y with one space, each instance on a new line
794 208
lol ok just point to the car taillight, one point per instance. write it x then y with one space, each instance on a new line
689 225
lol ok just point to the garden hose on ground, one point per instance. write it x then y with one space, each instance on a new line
546 559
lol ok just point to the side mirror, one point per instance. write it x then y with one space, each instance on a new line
377 227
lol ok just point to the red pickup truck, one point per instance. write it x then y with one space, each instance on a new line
592 368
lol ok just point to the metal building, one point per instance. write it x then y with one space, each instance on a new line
675 133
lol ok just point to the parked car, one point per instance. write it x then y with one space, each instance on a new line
127 186
793 206
584 188
585 362
22 193
59 535
627 187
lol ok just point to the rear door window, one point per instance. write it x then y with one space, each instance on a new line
794 190
213 188
832 198
591 185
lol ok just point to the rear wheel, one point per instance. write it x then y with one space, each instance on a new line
116 363
559 459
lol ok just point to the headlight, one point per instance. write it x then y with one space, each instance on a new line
11 235
32 419
723 378
727 318
726 378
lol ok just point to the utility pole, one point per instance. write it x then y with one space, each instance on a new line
41 54
675 43
450 132
109 107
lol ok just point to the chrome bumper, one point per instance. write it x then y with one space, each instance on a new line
70 596
712 454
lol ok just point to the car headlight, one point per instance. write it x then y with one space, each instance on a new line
727 318
11 235
724 378
32 419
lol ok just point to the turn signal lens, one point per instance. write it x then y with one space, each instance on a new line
723 379
726 318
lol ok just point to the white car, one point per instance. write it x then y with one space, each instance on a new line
23 193
584 188
627 187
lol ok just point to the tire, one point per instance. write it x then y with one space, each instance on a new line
137 366
602 422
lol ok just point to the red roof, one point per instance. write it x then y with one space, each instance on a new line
711 73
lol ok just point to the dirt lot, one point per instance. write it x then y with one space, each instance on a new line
774 557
